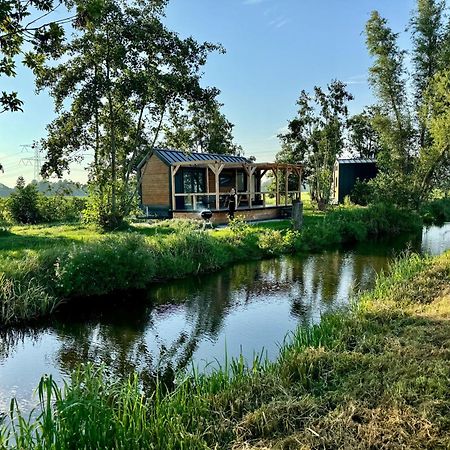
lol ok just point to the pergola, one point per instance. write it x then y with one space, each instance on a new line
251 169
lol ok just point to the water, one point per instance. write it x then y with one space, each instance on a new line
248 309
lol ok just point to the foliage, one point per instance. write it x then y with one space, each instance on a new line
26 205
362 193
239 229
23 203
201 127
414 154
4 222
316 137
436 212
113 87
325 389
59 208
363 139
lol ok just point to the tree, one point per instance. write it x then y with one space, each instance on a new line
33 22
410 157
364 140
23 203
434 161
387 77
315 137
427 56
201 127
124 74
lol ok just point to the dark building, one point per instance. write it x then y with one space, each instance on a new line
347 171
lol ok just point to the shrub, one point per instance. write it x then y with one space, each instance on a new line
113 263
362 193
59 208
23 203
239 229
436 211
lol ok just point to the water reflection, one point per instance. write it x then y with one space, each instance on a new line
243 310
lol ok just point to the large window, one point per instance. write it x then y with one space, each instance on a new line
194 180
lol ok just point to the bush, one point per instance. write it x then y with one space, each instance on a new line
113 263
23 203
362 193
436 211
59 208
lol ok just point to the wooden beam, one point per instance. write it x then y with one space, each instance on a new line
250 184
300 185
286 187
277 196
173 172
217 168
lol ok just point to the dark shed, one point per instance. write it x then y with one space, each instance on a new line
347 171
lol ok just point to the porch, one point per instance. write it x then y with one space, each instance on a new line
199 185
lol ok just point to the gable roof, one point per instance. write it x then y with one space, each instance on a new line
173 156
356 160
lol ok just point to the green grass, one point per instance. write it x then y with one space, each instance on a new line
373 377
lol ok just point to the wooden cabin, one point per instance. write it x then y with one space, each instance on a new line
175 184
347 171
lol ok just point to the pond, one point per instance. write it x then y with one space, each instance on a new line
247 309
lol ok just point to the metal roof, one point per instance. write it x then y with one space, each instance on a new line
176 156
356 160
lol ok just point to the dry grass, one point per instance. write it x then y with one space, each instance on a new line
383 384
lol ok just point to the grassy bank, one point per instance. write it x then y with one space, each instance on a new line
42 266
376 377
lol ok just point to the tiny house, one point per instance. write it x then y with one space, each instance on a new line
176 184
347 171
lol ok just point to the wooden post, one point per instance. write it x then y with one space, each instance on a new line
173 170
297 214
277 197
250 183
217 169
216 175
207 185
286 187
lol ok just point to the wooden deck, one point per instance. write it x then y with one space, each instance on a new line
249 214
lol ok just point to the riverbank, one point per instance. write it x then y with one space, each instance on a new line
44 266
376 377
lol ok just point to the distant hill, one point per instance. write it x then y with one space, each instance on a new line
4 190
65 187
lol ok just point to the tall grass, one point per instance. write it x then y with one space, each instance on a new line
24 301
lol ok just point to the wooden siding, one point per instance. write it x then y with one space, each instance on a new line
155 183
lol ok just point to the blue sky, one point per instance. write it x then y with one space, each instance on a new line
275 48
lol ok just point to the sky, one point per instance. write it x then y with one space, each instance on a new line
274 49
